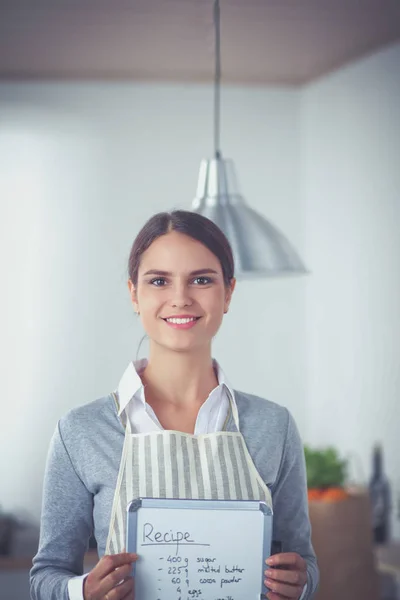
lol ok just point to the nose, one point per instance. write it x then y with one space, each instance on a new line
180 295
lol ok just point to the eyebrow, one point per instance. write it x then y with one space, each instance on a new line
192 273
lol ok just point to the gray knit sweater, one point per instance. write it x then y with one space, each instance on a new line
81 475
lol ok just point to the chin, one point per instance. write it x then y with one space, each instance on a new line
183 345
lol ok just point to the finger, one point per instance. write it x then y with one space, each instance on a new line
287 559
272 596
284 576
284 590
130 595
109 563
114 580
121 591
117 576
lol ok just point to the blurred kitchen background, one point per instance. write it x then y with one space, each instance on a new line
106 109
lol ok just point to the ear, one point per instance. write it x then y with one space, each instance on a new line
228 295
133 295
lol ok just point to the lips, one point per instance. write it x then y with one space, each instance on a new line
181 322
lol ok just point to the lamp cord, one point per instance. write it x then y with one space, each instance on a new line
217 80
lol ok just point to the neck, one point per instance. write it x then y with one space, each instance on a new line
181 378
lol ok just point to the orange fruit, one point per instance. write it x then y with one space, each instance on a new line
334 494
314 494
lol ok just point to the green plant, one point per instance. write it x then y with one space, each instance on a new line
324 468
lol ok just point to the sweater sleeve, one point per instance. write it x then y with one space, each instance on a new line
66 525
289 496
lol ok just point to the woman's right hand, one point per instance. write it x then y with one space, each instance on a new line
111 578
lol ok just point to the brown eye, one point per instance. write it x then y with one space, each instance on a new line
158 282
202 280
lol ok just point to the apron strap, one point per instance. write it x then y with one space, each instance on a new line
123 416
232 410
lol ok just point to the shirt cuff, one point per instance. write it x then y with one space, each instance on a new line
75 587
301 597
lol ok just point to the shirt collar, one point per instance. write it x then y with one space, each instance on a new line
130 383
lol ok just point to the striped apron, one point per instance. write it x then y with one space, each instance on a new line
172 464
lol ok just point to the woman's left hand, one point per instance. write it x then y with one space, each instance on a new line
289 579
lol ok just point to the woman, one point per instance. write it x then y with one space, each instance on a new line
181 280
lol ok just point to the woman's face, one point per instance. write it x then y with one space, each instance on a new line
180 293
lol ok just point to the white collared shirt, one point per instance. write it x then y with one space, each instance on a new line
131 394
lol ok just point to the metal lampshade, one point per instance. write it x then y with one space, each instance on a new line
259 249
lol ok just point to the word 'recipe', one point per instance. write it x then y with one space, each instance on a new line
167 538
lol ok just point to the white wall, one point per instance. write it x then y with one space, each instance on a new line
81 168
351 175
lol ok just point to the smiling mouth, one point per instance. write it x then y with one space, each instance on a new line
181 320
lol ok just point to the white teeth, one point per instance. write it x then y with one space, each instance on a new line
181 321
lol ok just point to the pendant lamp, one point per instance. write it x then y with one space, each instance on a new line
259 248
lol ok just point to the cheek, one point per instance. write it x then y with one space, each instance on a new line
149 304
150 321
148 299
214 305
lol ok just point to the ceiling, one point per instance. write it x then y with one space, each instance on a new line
262 41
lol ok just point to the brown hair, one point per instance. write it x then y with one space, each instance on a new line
191 224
